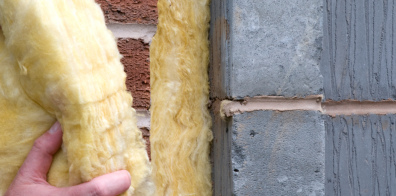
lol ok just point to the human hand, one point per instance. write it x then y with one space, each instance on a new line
31 177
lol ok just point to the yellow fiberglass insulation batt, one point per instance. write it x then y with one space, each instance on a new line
58 61
180 121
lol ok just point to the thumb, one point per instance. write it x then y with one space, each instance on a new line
107 185
39 159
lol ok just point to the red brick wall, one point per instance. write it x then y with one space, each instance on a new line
137 66
130 11
136 52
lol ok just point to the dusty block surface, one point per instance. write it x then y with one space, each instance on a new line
130 11
137 66
275 47
277 153
360 155
359 50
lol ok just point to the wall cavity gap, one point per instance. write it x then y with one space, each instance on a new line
134 31
349 107
249 104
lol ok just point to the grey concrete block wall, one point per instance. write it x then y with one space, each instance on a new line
275 48
361 155
278 153
267 48
344 49
359 44
358 63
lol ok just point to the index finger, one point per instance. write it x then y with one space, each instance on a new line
39 158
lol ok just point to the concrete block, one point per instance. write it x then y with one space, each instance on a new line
275 47
278 153
360 155
359 48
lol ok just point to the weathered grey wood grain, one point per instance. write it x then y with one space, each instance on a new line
360 155
359 54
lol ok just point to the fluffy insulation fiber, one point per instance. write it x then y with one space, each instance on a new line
58 61
180 121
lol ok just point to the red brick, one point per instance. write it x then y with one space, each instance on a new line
146 137
137 66
130 11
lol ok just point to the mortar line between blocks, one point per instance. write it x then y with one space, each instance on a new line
310 103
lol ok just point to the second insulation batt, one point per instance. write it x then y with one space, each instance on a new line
180 120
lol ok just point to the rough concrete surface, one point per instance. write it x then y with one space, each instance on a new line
276 47
278 153
137 66
360 155
359 49
130 11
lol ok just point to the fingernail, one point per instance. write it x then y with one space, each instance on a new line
55 128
